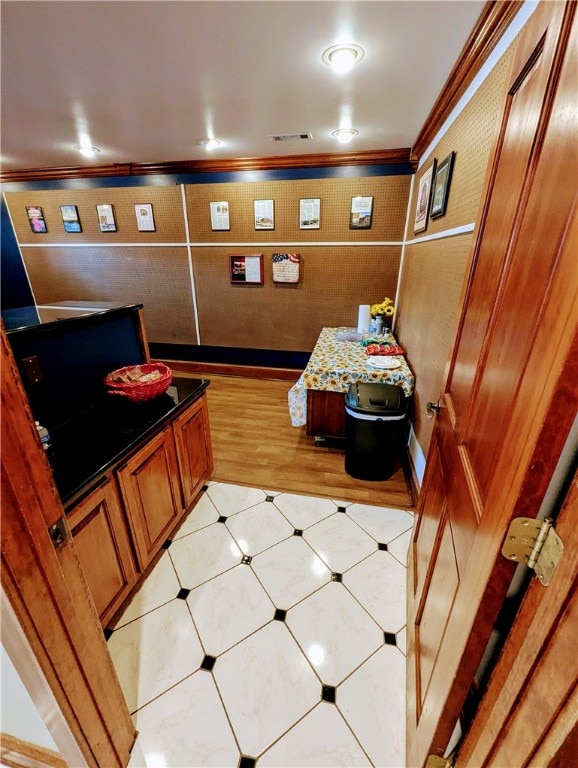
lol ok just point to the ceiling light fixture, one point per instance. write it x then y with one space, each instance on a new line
341 58
344 135
87 151
208 144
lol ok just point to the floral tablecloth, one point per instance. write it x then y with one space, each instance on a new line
334 365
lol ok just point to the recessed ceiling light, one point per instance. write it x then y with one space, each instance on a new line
344 135
341 58
208 144
87 151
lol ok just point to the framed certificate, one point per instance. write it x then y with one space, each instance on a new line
144 217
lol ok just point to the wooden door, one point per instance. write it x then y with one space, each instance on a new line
510 397
47 591
150 487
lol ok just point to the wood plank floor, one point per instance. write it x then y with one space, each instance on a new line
254 444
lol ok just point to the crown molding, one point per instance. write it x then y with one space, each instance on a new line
373 157
491 25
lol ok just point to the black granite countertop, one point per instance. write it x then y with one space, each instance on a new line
86 447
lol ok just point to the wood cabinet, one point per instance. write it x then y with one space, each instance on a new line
325 413
194 451
101 536
123 523
149 483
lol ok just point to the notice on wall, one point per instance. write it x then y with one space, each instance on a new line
286 267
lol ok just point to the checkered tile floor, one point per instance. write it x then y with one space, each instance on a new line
271 633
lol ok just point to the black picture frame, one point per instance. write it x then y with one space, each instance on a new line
361 212
36 219
70 218
441 186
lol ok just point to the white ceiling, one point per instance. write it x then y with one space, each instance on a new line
143 80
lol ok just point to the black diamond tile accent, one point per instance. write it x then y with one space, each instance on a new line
205 488
280 615
269 498
336 577
341 509
221 519
183 594
107 633
390 638
297 532
247 762
208 663
166 544
383 547
328 693
246 560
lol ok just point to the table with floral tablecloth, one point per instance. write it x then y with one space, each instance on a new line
334 365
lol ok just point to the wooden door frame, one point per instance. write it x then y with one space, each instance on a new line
47 591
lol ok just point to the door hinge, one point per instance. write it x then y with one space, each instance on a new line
535 543
58 532
434 761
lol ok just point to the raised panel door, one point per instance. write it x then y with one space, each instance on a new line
194 451
102 541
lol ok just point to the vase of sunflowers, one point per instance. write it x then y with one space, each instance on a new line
382 314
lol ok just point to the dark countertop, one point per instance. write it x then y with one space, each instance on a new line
86 447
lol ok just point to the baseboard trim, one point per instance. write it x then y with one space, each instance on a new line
220 369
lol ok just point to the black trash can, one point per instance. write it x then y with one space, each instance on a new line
375 428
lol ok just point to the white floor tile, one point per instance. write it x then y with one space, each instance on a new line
379 583
322 739
230 499
155 652
372 701
399 547
187 727
290 571
204 554
258 528
334 631
383 523
160 586
339 542
266 685
202 514
228 608
304 511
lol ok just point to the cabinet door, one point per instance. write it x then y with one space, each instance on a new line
149 483
102 541
194 451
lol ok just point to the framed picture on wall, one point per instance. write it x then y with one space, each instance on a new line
70 218
246 270
264 214
361 213
423 201
36 219
309 210
220 215
144 217
441 186
106 220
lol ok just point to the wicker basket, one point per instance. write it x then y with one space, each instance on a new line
139 382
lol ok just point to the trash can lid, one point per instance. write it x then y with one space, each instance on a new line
375 397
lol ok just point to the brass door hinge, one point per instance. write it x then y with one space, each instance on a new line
434 761
535 543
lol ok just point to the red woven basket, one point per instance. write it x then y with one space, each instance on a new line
139 382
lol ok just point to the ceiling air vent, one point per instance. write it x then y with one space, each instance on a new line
291 136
